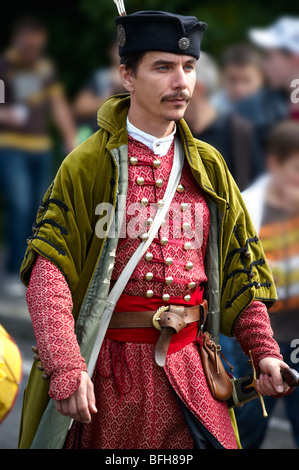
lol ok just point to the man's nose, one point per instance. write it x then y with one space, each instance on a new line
179 79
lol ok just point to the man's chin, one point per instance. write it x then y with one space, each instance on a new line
174 115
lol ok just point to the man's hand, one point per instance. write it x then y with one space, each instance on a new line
81 404
270 381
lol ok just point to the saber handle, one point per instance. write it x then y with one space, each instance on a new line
290 376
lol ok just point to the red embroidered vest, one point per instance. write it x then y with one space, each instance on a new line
172 270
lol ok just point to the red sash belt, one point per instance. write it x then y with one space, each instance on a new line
131 303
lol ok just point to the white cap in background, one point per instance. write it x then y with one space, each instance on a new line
283 34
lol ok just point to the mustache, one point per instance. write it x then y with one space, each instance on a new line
180 94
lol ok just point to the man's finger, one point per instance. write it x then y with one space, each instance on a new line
91 398
264 386
276 379
82 408
73 411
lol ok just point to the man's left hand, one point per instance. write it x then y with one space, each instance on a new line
270 381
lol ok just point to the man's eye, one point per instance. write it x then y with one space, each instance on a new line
163 67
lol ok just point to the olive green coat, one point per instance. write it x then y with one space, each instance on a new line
96 172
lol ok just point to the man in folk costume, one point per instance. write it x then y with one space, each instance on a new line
147 388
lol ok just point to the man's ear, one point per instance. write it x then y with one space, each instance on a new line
127 78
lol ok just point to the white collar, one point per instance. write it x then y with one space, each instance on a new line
160 147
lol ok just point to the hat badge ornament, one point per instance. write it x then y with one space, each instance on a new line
184 43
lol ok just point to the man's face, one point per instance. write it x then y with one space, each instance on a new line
285 173
241 81
280 68
30 45
163 85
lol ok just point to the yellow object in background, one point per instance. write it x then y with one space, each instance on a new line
10 372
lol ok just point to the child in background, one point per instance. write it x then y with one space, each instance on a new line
273 204
242 76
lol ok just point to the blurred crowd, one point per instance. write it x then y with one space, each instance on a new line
244 104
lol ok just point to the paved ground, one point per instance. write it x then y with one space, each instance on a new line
15 318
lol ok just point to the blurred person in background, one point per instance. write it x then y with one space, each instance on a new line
241 76
273 204
280 44
232 135
103 83
31 87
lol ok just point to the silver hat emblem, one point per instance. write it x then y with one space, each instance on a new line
184 43
121 35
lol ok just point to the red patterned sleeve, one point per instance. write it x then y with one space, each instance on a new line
50 306
253 332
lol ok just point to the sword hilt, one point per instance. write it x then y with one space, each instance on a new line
290 376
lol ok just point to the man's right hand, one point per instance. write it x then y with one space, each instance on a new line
81 404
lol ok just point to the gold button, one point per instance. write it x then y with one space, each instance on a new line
148 256
191 285
149 221
168 261
133 160
247 254
180 188
149 276
160 203
184 206
186 226
157 163
187 246
166 297
164 241
149 293
169 280
163 223
159 183
144 201
144 237
140 181
187 298
189 266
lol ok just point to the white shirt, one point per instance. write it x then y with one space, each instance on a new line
160 147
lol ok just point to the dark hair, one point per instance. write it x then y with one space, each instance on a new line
241 55
29 24
132 61
283 141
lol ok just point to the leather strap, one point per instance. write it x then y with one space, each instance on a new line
145 319
170 321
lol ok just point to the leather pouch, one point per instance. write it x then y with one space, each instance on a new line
217 378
